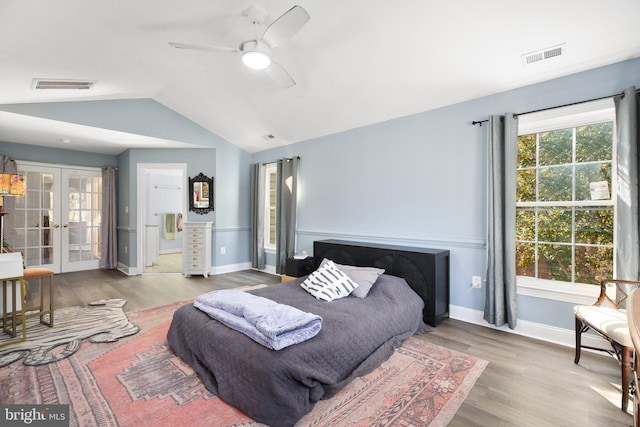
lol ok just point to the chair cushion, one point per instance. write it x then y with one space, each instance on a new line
30 273
608 321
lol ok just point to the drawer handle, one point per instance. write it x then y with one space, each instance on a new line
196 258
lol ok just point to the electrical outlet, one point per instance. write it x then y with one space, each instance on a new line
223 250
476 282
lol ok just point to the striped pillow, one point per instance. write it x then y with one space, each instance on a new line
328 283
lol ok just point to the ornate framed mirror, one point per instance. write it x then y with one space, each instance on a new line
201 194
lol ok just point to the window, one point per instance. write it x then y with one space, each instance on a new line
271 194
565 196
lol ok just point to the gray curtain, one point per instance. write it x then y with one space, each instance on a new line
257 208
286 211
628 241
8 165
500 299
108 230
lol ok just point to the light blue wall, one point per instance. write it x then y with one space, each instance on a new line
126 223
141 116
198 160
417 180
226 163
420 180
53 155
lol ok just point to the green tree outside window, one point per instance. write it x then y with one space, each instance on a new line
564 211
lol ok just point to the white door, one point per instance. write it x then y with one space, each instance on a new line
36 217
57 222
80 223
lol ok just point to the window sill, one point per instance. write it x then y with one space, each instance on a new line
557 291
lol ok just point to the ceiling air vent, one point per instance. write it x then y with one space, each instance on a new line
544 54
62 84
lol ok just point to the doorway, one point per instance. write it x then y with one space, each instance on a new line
162 202
57 223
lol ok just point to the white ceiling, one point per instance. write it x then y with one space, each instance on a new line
356 62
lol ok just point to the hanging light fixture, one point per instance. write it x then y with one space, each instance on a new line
11 185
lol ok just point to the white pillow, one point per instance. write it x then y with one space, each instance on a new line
365 277
328 283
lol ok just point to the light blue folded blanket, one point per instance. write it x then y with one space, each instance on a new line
267 322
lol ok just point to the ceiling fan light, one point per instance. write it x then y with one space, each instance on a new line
256 60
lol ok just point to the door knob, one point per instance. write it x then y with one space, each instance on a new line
66 225
56 225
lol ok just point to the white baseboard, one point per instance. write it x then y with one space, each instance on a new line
132 271
270 269
221 269
169 251
529 329
125 269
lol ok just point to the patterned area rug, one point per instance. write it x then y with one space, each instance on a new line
105 322
139 381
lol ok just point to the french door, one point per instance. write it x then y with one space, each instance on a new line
57 222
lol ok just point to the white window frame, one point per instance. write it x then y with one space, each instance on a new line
561 118
269 169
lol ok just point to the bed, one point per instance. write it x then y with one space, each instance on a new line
279 387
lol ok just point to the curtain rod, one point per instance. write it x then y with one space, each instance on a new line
286 158
621 94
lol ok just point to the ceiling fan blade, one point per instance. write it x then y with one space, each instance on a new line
286 26
190 46
278 74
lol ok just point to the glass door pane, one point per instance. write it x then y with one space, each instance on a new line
36 213
81 227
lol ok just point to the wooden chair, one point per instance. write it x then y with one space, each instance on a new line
607 317
633 318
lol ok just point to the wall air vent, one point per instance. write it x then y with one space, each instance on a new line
544 54
62 84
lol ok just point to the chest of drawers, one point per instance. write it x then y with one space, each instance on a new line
196 253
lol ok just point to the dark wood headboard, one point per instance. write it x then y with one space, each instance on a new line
425 270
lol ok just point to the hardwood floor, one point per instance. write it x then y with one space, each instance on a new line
148 290
527 382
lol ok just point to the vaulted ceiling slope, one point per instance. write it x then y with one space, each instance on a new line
355 62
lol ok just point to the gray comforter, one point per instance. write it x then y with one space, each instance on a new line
279 387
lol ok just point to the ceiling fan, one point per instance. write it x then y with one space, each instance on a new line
256 52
